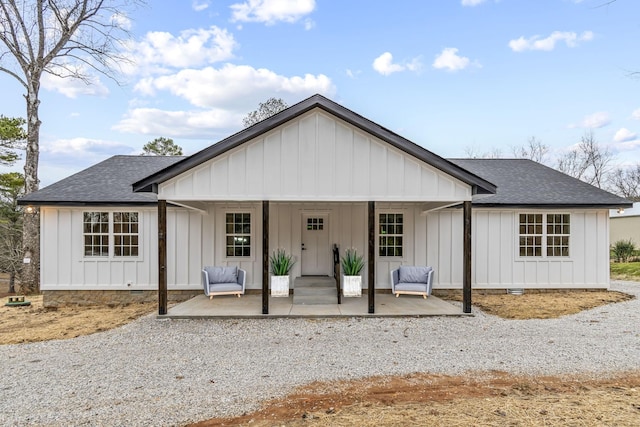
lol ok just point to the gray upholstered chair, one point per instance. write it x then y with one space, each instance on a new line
223 281
412 281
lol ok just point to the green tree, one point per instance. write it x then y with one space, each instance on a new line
11 188
64 38
161 147
265 110
12 137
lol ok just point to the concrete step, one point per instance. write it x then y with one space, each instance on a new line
314 290
315 299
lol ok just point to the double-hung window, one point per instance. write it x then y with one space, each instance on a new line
391 234
544 235
111 234
238 230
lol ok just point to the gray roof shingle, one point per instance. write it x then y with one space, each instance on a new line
523 182
107 183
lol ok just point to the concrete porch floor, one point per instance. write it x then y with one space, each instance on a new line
250 306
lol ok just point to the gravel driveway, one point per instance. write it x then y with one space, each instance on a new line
170 372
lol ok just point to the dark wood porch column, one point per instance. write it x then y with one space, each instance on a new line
162 257
372 258
265 257
466 258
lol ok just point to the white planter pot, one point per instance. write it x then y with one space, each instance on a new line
279 286
352 286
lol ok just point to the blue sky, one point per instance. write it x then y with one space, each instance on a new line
450 75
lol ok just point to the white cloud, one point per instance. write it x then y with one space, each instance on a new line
571 39
188 124
195 47
72 87
636 114
309 24
472 2
353 74
271 11
593 121
384 64
121 20
450 60
624 135
596 120
200 5
81 147
235 85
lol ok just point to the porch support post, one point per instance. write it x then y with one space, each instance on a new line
372 258
162 257
466 281
265 257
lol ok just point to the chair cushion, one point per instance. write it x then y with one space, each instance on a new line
224 287
413 274
411 287
222 274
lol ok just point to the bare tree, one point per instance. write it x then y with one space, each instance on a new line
626 182
534 150
65 38
588 161
474 153
265 110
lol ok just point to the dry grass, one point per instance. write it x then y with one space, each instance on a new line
35 323
545 305
481 399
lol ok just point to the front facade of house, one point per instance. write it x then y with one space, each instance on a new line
314 176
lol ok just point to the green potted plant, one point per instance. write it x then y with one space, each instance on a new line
352 265
281 264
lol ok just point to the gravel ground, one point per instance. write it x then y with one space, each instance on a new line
170 372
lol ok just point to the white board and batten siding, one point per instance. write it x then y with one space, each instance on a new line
315 157
495 251
65 267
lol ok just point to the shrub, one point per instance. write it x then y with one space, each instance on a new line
281 263
623 250
352 263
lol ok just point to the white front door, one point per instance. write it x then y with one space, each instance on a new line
316 252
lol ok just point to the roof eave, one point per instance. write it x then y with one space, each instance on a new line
479 185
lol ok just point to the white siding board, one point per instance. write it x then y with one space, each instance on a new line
315 157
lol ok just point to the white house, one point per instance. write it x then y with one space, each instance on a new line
313 176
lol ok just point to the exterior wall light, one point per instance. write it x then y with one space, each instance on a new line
620 210
30 210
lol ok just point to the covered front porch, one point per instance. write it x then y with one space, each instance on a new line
250 306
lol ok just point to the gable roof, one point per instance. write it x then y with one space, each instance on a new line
478 184
523 182
107 183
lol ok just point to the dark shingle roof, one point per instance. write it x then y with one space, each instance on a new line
108 182
523 182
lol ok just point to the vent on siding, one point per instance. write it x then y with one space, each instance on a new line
515 291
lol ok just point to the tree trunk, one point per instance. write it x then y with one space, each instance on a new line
30 278
12 282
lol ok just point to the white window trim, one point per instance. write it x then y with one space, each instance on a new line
404 234
252 246
544 236
111 256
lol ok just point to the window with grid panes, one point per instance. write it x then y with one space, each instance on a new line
558 235
238 230
95 229
530 234
125 234
390 236
544 235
